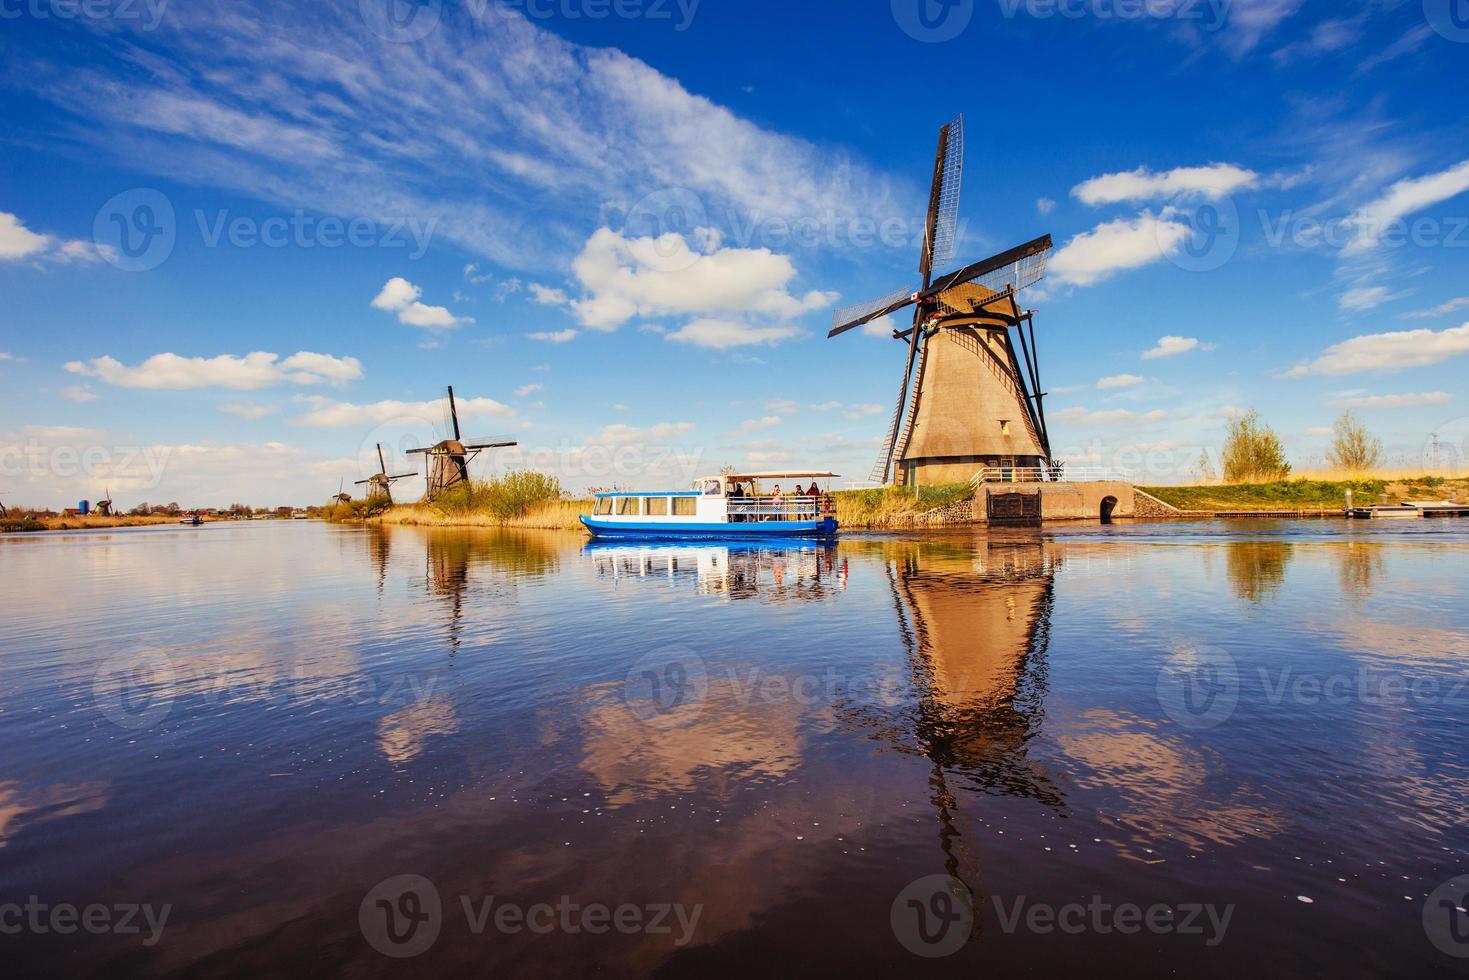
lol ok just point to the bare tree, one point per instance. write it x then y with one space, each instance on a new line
1353 448
1252 451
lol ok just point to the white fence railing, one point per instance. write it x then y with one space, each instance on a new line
788 508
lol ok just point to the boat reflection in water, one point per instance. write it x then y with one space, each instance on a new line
737 570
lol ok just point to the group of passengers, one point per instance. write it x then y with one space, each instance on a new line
739 490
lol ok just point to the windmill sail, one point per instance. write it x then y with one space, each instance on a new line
942 226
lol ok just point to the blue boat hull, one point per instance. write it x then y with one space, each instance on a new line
687 530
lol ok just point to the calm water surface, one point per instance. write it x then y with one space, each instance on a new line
1254 734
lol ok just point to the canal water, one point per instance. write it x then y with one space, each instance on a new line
1215 749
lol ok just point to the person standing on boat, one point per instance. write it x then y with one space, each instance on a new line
776 498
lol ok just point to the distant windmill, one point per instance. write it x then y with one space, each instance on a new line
341 496
448 461
380 484
103 507
3 511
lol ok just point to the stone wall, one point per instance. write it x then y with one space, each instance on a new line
1147 505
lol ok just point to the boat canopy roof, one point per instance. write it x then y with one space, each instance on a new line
780 475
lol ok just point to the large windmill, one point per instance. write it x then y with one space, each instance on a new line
380 484
448 460
972 405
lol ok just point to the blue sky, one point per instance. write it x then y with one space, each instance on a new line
242 242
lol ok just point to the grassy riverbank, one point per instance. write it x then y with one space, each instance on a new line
65 522
1306 494
533 501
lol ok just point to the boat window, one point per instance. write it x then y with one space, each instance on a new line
711 487
685 506
655 506
604 506
627 506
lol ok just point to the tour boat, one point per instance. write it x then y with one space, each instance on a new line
194 519
736 505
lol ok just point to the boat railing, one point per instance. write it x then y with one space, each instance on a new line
790 507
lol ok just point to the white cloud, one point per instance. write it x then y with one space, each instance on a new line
18 243
1363 298
531 389
1112 416
553 336
783 406
754 425
1171 346
323 412
258 369
1212 181
626 277
1390 351
724 334
883 326
850 411
6 356
1442 309
1406 400
1249 21
619 434
400 296
498 131
1370 222
248 410
547 296
1095 255
1045 205
78 393
1121 381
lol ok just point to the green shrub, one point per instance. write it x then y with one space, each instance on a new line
505 497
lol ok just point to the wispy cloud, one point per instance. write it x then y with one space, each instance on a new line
1408 400
259 369
1211 181
1391 351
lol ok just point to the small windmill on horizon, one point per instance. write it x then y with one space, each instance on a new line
341 496
448 460
380 484
972 405
103 507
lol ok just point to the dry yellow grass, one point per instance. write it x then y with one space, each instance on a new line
80 523
556 515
